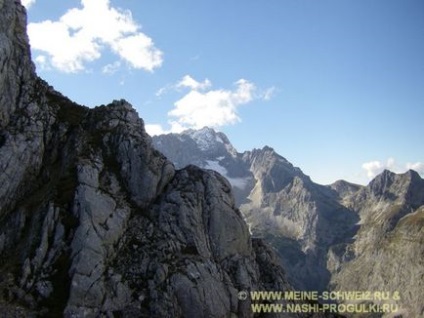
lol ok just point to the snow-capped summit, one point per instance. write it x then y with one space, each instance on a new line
207 139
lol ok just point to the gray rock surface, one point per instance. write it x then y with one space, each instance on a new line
94 222
388 251
341 237
301 219
208 149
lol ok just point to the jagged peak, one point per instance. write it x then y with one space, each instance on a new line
268 152
208 139
397 183
412 174
387 175
121 103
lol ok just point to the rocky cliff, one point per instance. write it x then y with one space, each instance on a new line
299 218
342 237
94 222
388 251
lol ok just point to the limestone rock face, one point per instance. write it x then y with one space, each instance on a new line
16 107
282 205
16 68
94 222
341 237
301 219
387 254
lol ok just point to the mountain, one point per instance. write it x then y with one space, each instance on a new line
208 149
279 202
339 237
388 251
94 222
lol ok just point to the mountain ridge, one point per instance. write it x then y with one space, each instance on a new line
323 233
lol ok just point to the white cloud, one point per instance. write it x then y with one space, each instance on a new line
155 129
373 168
41 61
213 108
27 3
203 106
139 51
81 34
269 93
161 91
417 166
111 68
188 81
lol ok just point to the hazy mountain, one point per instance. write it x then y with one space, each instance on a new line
326 236
94 222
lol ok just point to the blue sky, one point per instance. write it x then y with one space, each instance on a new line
336 87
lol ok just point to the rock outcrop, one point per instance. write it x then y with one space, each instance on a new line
282 205
94 222
208 149
301 219
388 252
341 237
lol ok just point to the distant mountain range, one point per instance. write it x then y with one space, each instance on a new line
96 222
339 237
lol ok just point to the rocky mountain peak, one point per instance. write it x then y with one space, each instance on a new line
391 185
274 171
413 175
389 239
209 140
384 179
268 154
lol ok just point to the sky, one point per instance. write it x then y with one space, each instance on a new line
334 86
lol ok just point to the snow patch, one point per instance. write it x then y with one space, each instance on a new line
240 183
214 165
205 138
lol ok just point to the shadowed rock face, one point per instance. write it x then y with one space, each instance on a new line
94 222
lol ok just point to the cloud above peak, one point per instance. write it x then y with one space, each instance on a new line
373 168
82 34
204 106
213 108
